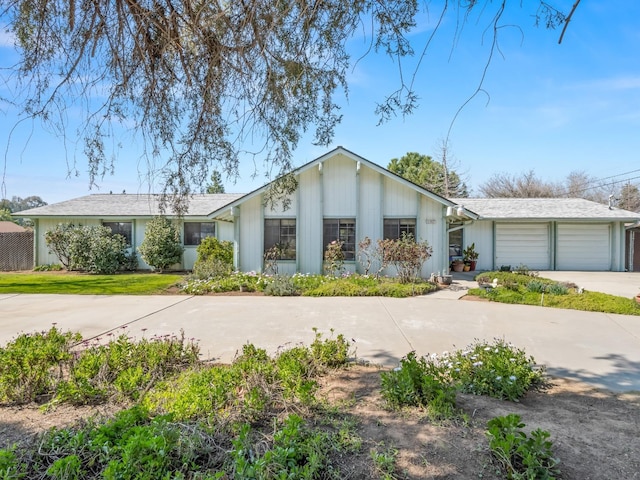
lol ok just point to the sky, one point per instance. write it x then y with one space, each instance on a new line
548 107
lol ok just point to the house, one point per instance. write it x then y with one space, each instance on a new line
548 233
342 196
128 215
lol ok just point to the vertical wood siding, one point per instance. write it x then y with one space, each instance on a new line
251 239
309 222
339 187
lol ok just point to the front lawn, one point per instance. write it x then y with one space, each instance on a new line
528 289
76 283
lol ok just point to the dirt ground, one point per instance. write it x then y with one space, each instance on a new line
594 432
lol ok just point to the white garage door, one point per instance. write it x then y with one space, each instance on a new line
583 247
523 243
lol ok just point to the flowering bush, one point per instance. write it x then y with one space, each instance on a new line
498 370
334 258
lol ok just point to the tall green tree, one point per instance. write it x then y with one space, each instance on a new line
201 80
5 215
216 185
428 173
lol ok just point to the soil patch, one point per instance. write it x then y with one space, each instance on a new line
594 431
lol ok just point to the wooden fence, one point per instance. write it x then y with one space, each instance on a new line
16 251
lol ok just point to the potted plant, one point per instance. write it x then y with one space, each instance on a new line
471 256
457 265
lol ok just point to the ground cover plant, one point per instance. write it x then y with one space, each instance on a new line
346 285
527 288
308 412
82 284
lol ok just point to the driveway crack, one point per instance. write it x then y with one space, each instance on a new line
131 322
406 339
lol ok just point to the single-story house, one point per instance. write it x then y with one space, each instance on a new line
342 196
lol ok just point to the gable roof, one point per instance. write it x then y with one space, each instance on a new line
10 227
126 205
356 158
544 208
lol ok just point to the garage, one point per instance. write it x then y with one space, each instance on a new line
523 243
583 246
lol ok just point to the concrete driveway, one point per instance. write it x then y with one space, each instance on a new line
598 348
622 284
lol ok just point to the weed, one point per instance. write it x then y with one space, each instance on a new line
521 457
385 461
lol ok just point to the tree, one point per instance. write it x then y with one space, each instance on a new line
5 215
629 197
161 246
216 185
201 80
428 173
527 185
577 184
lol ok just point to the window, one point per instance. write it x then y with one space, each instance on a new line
120 228
281 232
344 230
195 232
395 227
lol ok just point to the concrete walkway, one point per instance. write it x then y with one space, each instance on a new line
598 348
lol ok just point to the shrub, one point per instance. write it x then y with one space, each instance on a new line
281 286
92 248
536 286
557 289
406 255
50 267
215 258
420 382
334 258
521 456
161 246
498 370
30 365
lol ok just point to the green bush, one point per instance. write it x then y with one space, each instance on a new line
31 365
124 368
495 369
281 286
92 248
420 382
521 457
215 258
161 246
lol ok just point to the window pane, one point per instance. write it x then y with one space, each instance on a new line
343 230
195 232
120 228
281 232
395 227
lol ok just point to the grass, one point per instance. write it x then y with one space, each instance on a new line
75 283
523 289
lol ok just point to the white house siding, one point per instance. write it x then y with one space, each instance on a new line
583 246
430 226
339 187
523 243
251 224
399 200
481 233
309 222
369 220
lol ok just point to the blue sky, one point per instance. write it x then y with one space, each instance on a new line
550 108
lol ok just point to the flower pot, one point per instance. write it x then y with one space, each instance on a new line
466 268
473 264
458 266
445 279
